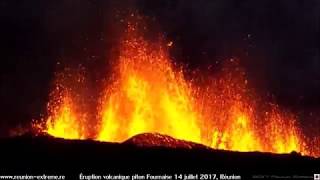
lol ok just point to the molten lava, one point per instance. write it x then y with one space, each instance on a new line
148 93
147 96
64 122
66 118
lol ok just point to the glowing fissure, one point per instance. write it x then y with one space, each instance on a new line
150 94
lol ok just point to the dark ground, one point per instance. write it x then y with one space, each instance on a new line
47 154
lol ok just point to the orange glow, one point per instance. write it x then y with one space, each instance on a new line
284 135
231 112
65 116
239 135
148 93
64 122
147 96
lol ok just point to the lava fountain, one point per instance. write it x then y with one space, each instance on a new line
66 116
148 93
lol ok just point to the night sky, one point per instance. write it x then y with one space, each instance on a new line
277 41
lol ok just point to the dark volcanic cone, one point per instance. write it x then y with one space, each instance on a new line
160 140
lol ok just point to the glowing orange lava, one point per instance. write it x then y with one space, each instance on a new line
64 122
147 96
150 94
65 119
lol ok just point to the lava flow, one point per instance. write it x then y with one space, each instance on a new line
148 93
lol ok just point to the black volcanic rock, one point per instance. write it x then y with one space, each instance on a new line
142 152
